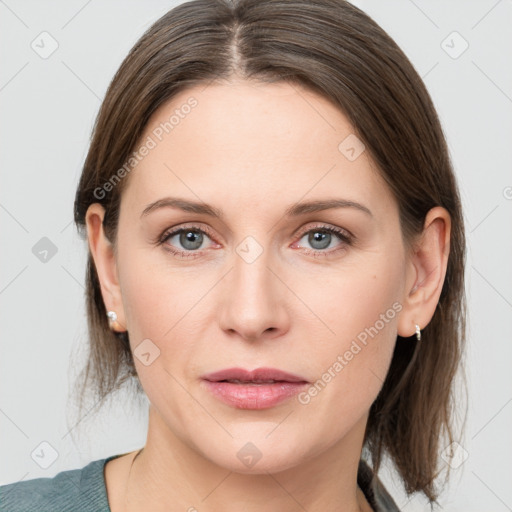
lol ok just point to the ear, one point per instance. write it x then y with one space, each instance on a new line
102 252
426 271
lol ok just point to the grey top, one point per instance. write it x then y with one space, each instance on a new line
84 490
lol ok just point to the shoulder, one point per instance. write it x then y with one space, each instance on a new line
77 489
375 492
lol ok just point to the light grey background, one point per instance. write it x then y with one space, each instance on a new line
48 106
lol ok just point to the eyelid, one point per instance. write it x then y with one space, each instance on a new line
193 227
326 227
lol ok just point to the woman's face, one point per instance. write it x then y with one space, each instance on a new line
259 285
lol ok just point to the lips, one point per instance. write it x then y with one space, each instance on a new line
261 388
257 376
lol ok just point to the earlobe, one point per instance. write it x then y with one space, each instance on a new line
102 252
428 262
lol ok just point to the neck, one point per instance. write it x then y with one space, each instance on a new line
168 474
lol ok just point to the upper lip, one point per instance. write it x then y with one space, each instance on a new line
258 374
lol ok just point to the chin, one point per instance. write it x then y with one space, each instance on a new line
256 457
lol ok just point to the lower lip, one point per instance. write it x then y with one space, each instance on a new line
254 396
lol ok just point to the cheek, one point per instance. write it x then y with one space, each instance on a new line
157 297
162 305
161 338
360 309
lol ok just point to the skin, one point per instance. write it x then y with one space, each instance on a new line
252 150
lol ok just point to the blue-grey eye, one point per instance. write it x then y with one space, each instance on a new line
190 239
319 239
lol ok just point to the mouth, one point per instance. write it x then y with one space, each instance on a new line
261 388
237 381
257 376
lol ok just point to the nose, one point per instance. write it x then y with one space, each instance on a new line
253 304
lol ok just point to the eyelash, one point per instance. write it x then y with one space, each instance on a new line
343 235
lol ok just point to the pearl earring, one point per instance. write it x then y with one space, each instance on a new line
418 332
112 321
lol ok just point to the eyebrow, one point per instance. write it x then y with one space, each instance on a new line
292 211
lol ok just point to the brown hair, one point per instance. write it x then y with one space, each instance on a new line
336 50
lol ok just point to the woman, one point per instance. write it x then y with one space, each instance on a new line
276 257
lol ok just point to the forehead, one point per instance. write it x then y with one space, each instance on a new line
249 144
